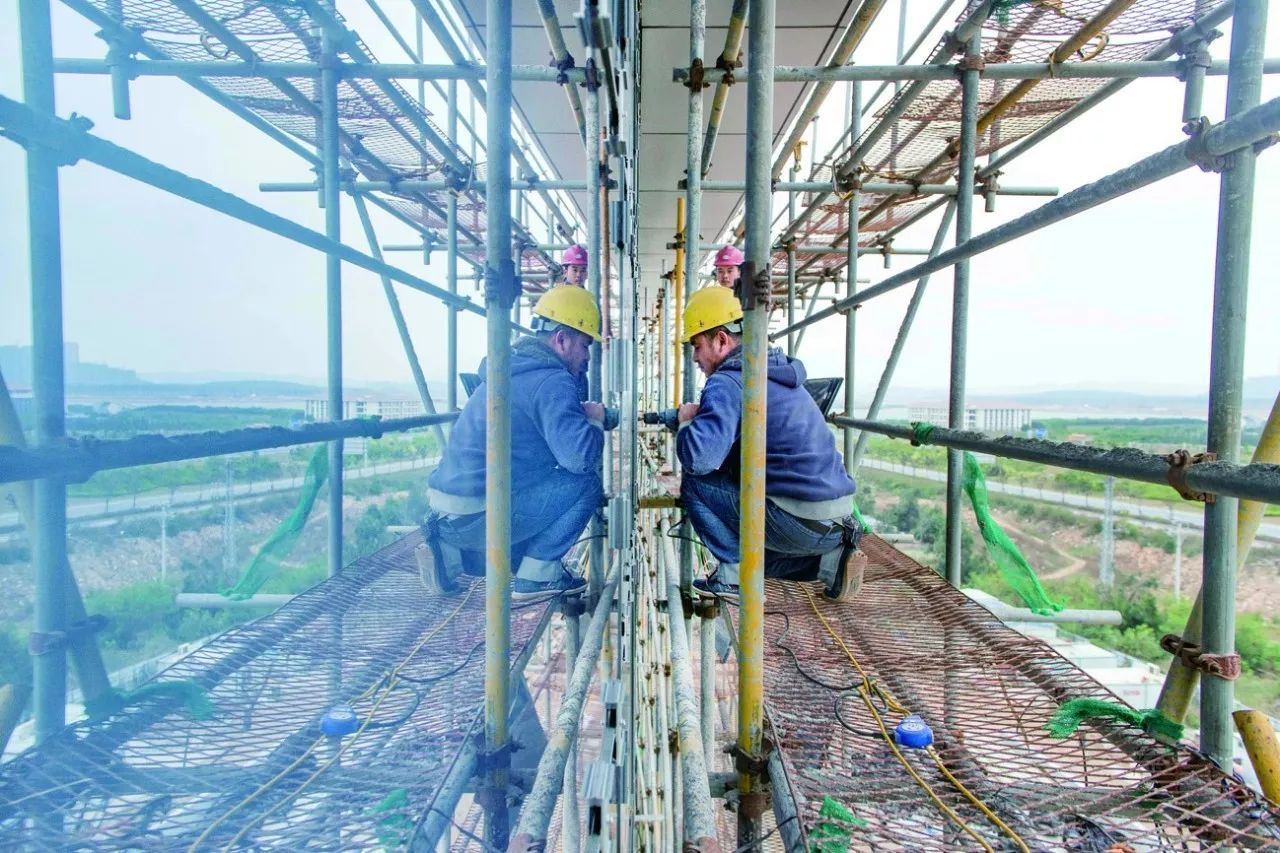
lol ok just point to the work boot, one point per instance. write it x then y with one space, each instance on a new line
849 573
431 571
716 585
567 584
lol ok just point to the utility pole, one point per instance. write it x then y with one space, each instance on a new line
1106 566
1177 560
229 531
164 542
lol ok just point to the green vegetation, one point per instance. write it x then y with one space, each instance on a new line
85 420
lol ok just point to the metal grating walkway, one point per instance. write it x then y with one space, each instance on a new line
257 773
987 692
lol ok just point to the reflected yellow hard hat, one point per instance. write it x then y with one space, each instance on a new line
570 306
708 308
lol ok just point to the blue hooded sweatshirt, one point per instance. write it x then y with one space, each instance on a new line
801 461
549 430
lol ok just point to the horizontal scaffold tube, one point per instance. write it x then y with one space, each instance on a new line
535 814
1254 482
286 70
1234 133
75 143
993 71
885 187
424 186
77 460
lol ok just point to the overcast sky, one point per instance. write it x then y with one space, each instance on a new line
1118 297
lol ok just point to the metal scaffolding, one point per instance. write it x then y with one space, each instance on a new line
451 752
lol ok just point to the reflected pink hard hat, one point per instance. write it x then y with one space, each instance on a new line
575 255
729 256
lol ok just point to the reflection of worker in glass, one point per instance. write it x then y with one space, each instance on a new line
728 265
809 531
556 447
573 265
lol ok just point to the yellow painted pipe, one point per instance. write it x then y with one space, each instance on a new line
677 304
658 502
13 699
1181 681
1263 749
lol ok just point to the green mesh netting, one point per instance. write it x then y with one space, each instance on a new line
1071 714
1017 572
1000 9
862 522
833 833
266 562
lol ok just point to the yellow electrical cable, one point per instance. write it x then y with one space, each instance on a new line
865 690
390 681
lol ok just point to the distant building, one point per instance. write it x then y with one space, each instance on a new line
25 405
363 407
1003 420
1080 438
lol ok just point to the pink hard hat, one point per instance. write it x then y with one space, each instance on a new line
729 256
575 255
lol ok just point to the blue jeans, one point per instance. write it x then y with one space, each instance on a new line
792 546
546 520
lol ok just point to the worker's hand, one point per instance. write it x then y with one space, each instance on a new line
595 411
686 412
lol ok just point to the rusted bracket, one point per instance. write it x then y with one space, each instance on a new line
1226 667
696 79
592 81
727 67
1179 462
971 63
501 285
754 288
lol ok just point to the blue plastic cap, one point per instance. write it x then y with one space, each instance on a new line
339 720
913 732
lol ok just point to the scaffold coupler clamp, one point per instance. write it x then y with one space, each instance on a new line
1197 150
460 179
755 287
847 185
728 66
43 642
1226 667
592 80
695 77
1180 461
755 767
563 67
971 63
501 285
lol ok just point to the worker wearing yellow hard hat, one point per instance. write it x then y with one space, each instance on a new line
810 533
556 446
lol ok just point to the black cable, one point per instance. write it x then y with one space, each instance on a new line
758 844
417 700
433 679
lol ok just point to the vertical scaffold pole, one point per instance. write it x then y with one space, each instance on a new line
49 532
690 229
451 261
683 372
791 253
851 285
591 104
960 299
499 296
333 284
755 347
1226 375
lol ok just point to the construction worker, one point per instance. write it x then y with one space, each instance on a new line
809 532
728 265
556 446
573 265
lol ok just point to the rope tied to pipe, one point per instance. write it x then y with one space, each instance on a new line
922 433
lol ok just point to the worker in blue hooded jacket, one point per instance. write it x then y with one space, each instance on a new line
556 446
809 531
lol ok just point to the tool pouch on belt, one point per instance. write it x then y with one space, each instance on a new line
445 555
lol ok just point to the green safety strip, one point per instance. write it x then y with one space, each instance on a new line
832 833
922 433
266 562
1071 714
862 522
1015 568
1000 9
395 825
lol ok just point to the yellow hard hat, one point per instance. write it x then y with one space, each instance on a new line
570 306
708 308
